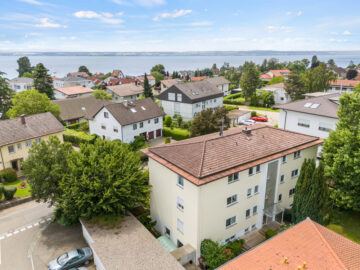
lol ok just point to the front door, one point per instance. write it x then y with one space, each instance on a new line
15 164
151 135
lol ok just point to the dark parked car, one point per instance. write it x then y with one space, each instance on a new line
71 259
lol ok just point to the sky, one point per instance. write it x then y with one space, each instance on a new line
178 25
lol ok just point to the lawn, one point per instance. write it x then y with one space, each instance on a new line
20 192
262 109
176 133
346 223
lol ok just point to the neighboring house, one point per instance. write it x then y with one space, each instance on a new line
343 85
125 121
78 74
265 77
280 95
79 109
340 71
117 74
199 78
21 84
185 73
71 92
221 83
18 134
306 245
314 116
188 99
150 78
165 84
275 73
122 92
71 81
222 187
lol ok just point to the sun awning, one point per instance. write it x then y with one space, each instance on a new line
167 243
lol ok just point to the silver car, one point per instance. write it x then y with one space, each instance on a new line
71 259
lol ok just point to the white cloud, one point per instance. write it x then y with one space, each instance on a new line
105 17
174 14
32 34
46 23
334 33
150 3
272 29
68 38
202 23
32 2
288 13
121 2
299 13
334 40
346 33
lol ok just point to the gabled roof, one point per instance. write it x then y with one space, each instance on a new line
134 112
199 78
194 91
275 85
79 107
351 83
37 125
322 105
73 79
124 90
279 72
170 82
22 80
211 157
217 80
74 90
82 74
307 242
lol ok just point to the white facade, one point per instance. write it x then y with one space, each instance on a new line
120 99
61 83
111 129
280 95
188 110
61 95
224 88
21 84
309 124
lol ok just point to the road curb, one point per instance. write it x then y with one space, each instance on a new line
14 202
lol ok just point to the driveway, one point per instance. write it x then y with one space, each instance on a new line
273 117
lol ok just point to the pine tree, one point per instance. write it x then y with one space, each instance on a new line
24 66
5 97
250 80
147 88
43 81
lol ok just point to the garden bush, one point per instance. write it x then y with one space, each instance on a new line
269 234
1 190
9 192
176 134
213 253
230 108
235 246
168 121
78 137
9 175
253 114
167 140
82 126
138 143
288 215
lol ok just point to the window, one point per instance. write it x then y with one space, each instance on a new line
231 221
280 197
325 127
197 105
179 244
253 227
255 210
249 192
134 126
282 178
167 232
251 171
180 226
303 123
256 189
297 154
38 140
116 130
179 97
231 200
284 159
141 124
247 213
156 120
103 126
230 239
28 143
180 203
19 146
171 96
180 181
106 115
233 177
257 168
11 149
247 230
291 192
149 121
294 173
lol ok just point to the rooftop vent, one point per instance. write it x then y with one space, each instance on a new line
247 131
143 108
315 105
22 119
83 108
307 105
133 110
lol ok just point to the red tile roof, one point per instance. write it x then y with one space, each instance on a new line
265 76
82 74
306 243
201 159
352 83
74 90
279 72
200 78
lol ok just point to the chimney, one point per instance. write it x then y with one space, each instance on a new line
22 119
247 131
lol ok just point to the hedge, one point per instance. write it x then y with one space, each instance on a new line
79 126
236 101
176 133
9 192
269 234
235 246
1 189
78 137
9 175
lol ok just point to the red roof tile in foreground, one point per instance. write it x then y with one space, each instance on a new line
207 158
306 243
74 90
352 83
200 78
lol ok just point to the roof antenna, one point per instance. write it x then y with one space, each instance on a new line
222 127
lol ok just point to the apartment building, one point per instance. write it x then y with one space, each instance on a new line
21 84
222 187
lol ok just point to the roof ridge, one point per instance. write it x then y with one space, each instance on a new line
336 257
202 157
235 133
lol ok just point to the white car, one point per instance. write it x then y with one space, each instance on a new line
248 122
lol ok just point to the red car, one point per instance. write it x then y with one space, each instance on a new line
259 119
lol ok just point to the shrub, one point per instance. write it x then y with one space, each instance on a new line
235 246
213 253
276 125
269 234
176 134
138 143
1 190
168 121
9 192
179 120
167 140
9 175
185 125
82 126
253 114
230 108
254 101
78 137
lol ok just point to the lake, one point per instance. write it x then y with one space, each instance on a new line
60 65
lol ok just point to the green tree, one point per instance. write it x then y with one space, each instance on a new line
24 66
275 80
297 66
213 253
168 121
314 61
341 152
267 98
32 102
6 95
98 184
351 74
85 69
43 81
28 75
158 77
331 63
250 80
158 68
45 167
233 76
179 120
318 79
311 193
147 89
209 121
101 94
294 86
351 64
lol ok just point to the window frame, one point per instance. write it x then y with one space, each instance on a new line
294 175
249 194
232 178
180 203
246 213
284 159
280 197
180 181
28 143
141 125
233 218
156 120
232 201
297 154
13 149
251 171
258 169
106 115
135 126
256 189
255 208
282 178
